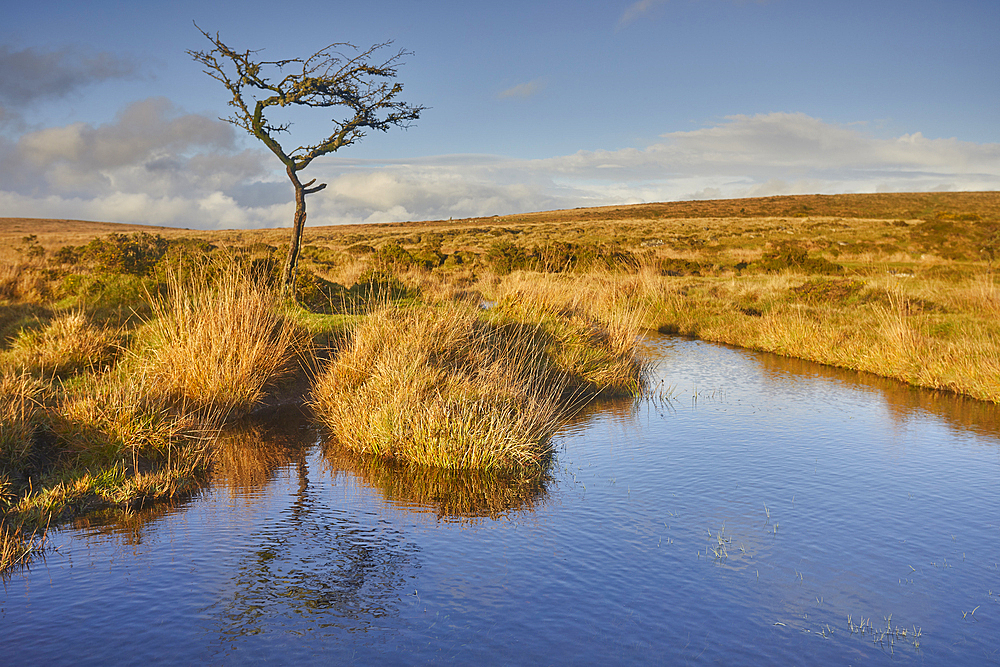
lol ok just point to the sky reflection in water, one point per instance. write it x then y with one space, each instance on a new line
742 521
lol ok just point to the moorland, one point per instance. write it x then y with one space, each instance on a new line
127 351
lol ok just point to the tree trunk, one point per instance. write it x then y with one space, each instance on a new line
299 222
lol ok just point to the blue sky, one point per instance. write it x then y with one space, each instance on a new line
532 106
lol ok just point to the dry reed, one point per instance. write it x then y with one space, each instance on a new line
221 343
70 343
453 386
436 386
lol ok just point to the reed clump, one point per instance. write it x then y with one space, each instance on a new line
452 386
68 344
222 343
436 386
119 417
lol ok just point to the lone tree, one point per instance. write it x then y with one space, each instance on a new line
361 83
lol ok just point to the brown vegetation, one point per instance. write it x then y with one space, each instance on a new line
445 386
117 369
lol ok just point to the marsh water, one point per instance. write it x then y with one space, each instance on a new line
743 521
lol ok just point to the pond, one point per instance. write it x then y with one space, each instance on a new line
771 511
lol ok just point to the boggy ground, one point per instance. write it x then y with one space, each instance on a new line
126 350
129 356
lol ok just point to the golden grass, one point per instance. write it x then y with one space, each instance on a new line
118 417
886 329
142 430
21 280
452 386
70 343
21 402
938 334
437 387
222 344
596 351
914 298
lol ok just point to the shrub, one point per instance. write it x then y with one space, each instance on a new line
110 296
682 267
359 249
429 258
67 255
391 258
788 256
375 287
506 256
558 257
318 294
827 291
134 254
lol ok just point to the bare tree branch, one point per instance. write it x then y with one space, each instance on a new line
361 88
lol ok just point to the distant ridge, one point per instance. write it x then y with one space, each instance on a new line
54 225
970 206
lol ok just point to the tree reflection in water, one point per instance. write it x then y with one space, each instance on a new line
315 565
248 455
316 569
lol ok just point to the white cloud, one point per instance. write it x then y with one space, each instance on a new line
637 9
157 165
522 90
143 130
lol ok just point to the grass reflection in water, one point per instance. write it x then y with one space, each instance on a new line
457 495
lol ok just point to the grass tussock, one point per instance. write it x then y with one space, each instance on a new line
450 386
120 417
596 350
222 344
68 344
436 386
22 399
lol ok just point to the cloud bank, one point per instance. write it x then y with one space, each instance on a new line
636 10
156 164
29 74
